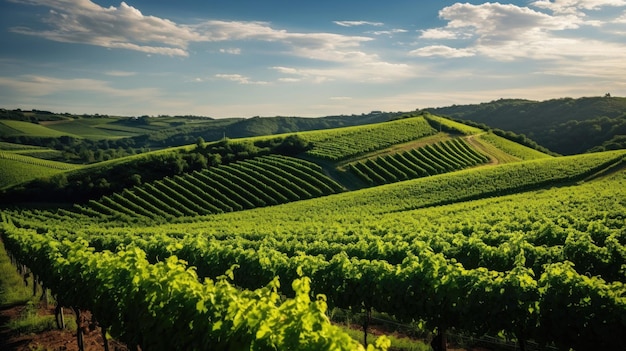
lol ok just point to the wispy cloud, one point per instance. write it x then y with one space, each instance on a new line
38 85
387 32
232 51
120 73
442 51
574 6
357 23
238 78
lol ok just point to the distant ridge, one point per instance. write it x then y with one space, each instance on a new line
566 126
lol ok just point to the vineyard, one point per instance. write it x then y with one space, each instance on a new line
253 254
343 143
259 182
18 168
447 156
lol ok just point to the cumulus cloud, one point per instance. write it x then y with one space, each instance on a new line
497 22
125 27
508 32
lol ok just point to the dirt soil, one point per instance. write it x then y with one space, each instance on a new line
52 340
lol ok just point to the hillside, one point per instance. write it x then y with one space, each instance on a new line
566 126
452 228
94 138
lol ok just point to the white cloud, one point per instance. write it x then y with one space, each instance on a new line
232 51
357 23
508 32
125 27
498 22
438 33
442 51
573 6
239 79
388 32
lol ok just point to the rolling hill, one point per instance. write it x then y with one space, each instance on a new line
448 226
566 126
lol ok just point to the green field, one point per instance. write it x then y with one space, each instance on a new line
18 168
429 221
512 148
17 128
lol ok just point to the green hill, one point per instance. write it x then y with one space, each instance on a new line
459 229
566 126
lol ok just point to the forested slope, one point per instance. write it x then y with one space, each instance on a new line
566 126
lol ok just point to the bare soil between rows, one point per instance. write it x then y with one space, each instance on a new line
51 340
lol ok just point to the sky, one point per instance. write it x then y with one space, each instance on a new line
244 58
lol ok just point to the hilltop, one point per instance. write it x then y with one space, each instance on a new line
566 126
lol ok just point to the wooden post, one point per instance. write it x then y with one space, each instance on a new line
79 330
103 329
58 316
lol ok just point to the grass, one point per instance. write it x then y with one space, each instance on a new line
16 168
86 128
12 288
397 343
441 123
35 130
13 292
492 150
513 148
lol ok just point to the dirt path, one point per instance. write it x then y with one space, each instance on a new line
51 340
480 147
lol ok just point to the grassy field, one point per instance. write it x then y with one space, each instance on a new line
17 169
512 148
17 128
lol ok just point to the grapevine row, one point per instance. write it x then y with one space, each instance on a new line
348 142
164 306
277 179
447 156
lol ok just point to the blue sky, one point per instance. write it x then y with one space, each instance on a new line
298 58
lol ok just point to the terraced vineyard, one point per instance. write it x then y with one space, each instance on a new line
447 156
532 251
343 143
263 181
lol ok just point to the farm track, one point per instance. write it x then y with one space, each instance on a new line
480 147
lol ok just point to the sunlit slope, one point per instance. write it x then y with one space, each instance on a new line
342 143
239 188
16 168
258 182
518 151
442 157
10 128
